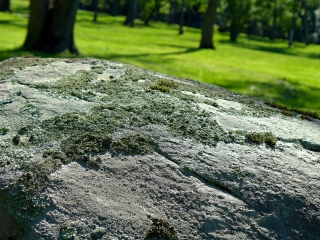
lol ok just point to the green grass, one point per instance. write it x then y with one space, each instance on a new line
254 66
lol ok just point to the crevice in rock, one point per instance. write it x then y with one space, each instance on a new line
210 181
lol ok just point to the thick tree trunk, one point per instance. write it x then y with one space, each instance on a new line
171 19
95 3
131 13
115 7
208 25
293 24
5 5
51 25
274 23
305 22
146 22
181 24
234 30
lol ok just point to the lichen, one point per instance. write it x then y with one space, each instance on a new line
161 229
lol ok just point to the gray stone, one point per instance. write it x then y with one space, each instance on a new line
94 149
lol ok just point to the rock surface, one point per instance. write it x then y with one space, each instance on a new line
94 149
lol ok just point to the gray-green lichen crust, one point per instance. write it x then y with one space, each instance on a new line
121 98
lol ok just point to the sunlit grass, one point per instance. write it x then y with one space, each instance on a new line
254 66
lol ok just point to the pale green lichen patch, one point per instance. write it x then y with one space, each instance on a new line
161 229
259 138
133 144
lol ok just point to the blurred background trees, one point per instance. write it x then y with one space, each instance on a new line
4 5
297 20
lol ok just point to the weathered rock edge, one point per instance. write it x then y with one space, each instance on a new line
94 149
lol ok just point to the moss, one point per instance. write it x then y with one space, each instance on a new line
134 144
286 111
161 229
4 130
164 85
6 74
23 200
98 233
259 138
68 230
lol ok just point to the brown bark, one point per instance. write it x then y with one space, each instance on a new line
208 25
51 25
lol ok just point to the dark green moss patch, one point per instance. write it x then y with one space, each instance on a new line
290 111
259 138
161 229
68 231
4 130
76 145
98 233
134 144
164 85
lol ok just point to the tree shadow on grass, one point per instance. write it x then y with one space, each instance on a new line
21 52
272 49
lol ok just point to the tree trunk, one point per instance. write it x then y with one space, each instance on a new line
208 25
234 30
183 6
305 22
171 19
293 24
5 5
95 3
146 22
115 7
51 25
131 13
274 22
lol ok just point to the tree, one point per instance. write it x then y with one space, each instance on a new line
131 12
239 13
208 25
293 22
4 5
95 4
181 22
51 25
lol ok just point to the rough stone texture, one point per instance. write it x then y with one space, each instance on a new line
187 157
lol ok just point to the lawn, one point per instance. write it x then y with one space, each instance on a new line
254 66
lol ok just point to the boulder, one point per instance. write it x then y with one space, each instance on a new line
95 149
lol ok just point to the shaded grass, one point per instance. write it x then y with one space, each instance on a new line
254 66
